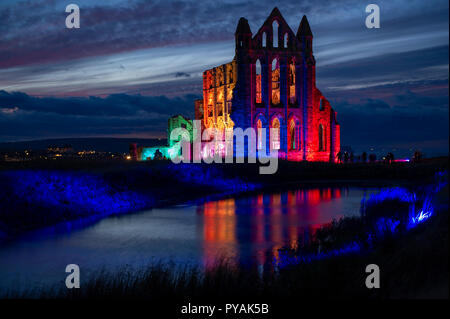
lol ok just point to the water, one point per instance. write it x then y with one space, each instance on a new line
244 229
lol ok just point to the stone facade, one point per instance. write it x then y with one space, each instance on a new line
271 83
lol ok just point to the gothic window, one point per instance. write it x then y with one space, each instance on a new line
264 39
228 110
285 40
258 81
209 81
220 76
210 99
275 34
259 131
276 134
321 104
292 140
321 139
230 75
292 82
275 82
220 109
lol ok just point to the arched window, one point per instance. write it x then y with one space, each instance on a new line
321 139
292 98
321 104
258 81
275 34
276 134
275 82
292 139
264 39
285 40
259 131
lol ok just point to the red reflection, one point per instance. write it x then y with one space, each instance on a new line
267 223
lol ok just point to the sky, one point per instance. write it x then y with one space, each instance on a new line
134 63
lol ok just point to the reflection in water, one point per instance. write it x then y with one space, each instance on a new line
244 229
254 229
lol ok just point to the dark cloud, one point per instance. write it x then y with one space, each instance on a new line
34 31
25 117
409 121
113 105
182 75
412 121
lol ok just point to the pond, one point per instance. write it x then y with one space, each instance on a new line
242 229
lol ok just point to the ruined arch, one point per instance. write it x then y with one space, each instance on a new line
275 27
294 133
275 81
291 81
277 124
260 123
321 136
258 79
276 130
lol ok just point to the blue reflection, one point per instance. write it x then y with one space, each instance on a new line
384 214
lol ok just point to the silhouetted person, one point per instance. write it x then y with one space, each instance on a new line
364 157
389 158
352 157
417 156
372 158
158 155
339 157
346 157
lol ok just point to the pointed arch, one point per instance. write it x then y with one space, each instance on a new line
258 81
292 136
264 40
275 33
291 80
261 123
321 138
275 136
275 81
285 40
259 127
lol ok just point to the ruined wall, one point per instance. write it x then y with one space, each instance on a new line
271 82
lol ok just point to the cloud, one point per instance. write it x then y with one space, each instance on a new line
10 110
182 74
411 121
114 115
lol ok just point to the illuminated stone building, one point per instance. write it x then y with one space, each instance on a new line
271 83
173 147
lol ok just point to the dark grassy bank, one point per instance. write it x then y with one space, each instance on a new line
413 264
37 194
288 172
32 198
